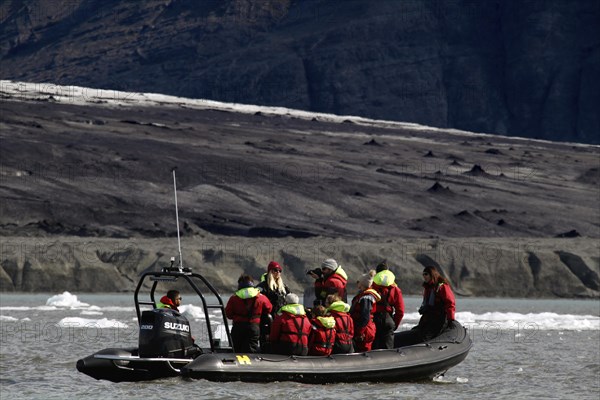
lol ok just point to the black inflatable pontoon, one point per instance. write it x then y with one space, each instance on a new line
166 350
417 362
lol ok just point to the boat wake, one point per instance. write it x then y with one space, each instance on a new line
446 380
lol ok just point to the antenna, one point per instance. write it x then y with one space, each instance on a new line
177 218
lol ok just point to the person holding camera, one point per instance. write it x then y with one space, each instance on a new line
329 279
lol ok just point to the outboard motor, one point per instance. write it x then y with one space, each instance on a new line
165 333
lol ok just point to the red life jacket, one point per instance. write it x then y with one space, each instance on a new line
356 309
334 283
363 335
291 331
440 299
166 302
321 338
294 329
247 309
344 327
391 301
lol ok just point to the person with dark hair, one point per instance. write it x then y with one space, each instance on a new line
156 340
344 325
322 336
245 308
389 311
438 306
290 329
437 310
172 300
362 312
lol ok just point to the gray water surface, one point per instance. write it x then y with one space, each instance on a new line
509 359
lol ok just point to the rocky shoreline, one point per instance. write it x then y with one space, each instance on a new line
493 267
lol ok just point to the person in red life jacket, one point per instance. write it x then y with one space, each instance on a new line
172 300
245 308
344 325
438 307
329 279
437 310
389 310
362 312
322 335
290 329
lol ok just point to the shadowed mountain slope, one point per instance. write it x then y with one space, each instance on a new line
510 67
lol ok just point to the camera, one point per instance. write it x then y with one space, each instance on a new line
316 271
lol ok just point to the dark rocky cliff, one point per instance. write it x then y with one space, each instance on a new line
519 68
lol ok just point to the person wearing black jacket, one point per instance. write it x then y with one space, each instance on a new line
272 286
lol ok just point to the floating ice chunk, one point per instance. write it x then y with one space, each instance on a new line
220 333
65 299
442 379
192 312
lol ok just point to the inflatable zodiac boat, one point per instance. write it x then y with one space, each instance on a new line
166 349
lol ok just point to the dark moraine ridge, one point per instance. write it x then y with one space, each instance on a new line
87 200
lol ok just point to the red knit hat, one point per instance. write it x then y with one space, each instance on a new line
274 265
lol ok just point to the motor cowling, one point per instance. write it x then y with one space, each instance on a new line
165 333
